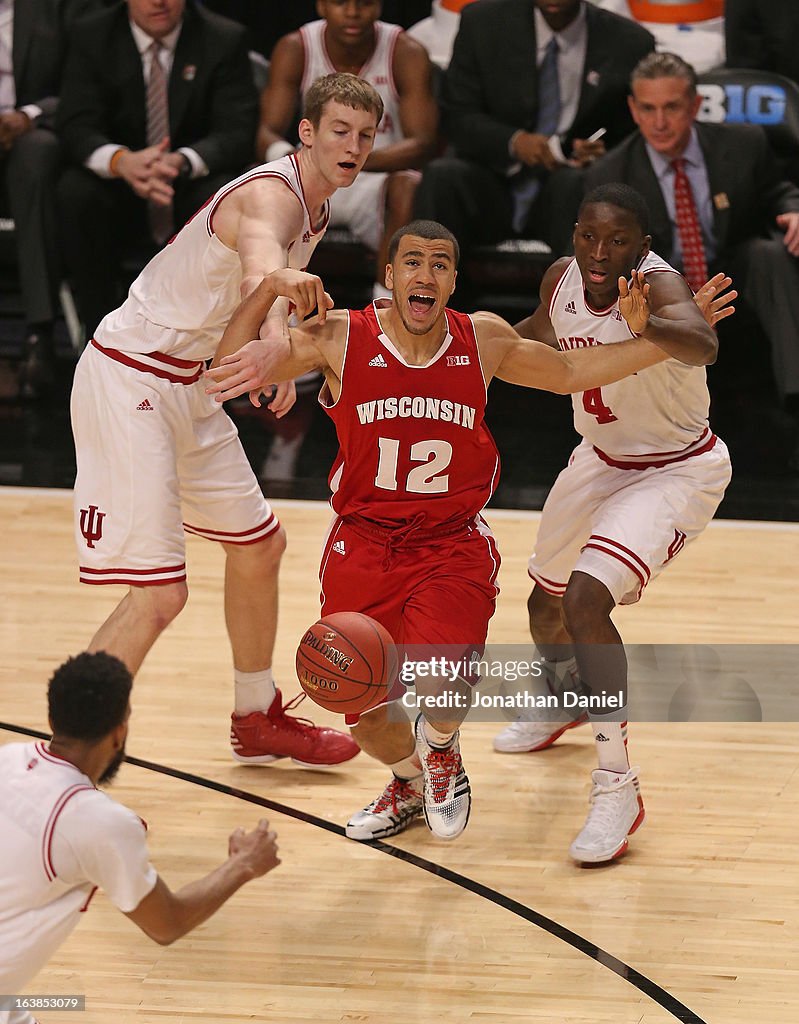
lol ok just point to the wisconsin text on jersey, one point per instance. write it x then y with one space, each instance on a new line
418 408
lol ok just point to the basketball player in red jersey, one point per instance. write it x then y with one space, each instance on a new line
405 385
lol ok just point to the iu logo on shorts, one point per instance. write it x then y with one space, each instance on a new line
91 524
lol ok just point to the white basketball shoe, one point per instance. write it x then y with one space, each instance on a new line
617 810
521 737
447 795
395 808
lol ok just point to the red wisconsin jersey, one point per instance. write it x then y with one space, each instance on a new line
412 439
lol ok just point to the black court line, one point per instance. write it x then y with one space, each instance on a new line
649 988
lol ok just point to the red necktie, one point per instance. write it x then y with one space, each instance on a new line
693 248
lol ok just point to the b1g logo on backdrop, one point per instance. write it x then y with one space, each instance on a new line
742 103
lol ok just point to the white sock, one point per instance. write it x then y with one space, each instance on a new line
409 769
561 676
435 738
611 745
255 691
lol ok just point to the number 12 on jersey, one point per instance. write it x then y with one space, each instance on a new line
427 478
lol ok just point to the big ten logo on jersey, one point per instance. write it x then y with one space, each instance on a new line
458 360
760 103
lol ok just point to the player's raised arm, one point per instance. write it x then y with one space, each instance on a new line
246 363
661 308
535 365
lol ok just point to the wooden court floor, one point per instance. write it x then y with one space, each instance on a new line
699 923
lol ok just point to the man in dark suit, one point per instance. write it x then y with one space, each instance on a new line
528 85
748 219
32 45
142 162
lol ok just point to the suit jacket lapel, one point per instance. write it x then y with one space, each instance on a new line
643 174
597 55
519 65
720 163
24 17
184 70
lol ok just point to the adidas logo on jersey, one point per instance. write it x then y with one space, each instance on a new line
570 308
145 406
378 361
338 547
306 237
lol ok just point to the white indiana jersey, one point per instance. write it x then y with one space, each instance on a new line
180 304
660 410
62 838
378 71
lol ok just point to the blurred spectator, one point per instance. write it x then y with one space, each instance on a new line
437 33
158 111
764 36
268 21
693 29
32 46
529 83
349 37
715 202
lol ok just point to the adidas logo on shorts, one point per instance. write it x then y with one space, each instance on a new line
338 547
378 360
145 406
570 308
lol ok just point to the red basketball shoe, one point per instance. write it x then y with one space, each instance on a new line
263 736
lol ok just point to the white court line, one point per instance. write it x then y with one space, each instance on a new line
495 513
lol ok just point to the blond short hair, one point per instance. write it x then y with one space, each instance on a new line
349 90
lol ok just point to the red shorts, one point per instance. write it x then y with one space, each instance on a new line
435 590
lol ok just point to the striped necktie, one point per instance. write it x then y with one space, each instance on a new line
528 182
160 217
689 229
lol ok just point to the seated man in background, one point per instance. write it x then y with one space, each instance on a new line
158 111
715 202
349 37
32 46
529 83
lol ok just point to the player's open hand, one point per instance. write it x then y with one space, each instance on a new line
634 301
256 849
714 300
306 292
283 397
251 369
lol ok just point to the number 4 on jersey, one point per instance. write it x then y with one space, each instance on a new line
594 406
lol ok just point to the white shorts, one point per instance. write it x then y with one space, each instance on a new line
155 457
623 526
361 208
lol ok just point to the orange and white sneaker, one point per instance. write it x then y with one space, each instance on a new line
264 736
617 810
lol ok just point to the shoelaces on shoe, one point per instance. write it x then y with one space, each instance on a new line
294 721
442 765
395 792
